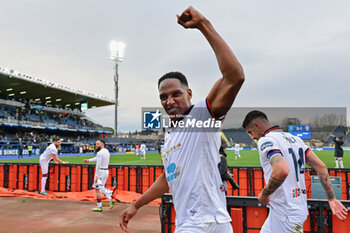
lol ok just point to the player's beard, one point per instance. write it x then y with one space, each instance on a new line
97 149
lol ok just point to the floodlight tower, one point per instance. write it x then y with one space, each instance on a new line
117 49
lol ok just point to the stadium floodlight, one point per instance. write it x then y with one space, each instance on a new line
117 49
10 89
48 97
12 94
58 100
22 92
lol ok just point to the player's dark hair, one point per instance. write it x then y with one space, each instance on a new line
103 141
56 139
222 151
252 116
174 74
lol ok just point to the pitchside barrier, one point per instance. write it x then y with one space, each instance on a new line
78 177
248 216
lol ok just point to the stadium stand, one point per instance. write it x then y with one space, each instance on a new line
239 135
33 111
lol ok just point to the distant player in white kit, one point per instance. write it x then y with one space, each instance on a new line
283 157
237 150
143 151
49 154
101 175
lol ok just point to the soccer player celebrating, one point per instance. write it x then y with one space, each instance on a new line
101 175
191 155
49 154
283 157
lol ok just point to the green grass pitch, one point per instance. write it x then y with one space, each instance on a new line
248 158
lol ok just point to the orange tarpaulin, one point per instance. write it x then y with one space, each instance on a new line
120 196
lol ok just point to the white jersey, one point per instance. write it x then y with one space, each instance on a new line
143 147
290 198
237 147
101 159
191 158
48 154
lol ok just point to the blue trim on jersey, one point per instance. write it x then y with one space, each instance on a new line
273 152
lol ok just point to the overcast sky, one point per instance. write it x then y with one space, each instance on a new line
294 53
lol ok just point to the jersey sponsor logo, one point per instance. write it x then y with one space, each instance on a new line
265 145
152 119
172 149
172 172
298 191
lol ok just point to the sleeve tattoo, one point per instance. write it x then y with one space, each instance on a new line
273 182
276 159
271 187
324 179
327 186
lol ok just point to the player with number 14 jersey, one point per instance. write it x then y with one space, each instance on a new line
290 198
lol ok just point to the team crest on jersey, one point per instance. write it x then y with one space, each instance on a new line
222 188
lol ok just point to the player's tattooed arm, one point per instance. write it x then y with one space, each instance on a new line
322 171
327 186
271 187
276 159
336 206
279 173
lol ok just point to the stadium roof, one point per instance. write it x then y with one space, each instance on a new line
14 83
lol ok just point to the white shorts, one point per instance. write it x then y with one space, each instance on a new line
143 152
100 178
274 224
44 166
212 227
236 152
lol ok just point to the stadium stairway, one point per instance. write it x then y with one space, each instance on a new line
225 138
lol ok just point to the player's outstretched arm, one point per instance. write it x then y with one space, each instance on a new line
158 188
57 160
336 206
94 159
225 90
279 173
